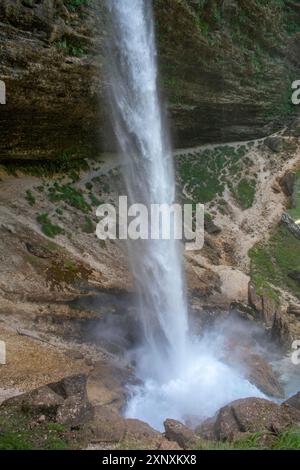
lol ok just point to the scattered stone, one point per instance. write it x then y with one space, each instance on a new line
178 432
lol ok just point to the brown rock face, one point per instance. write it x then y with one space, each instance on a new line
52 93
50 61
178 432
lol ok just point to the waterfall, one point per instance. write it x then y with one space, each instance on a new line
148 174
179 376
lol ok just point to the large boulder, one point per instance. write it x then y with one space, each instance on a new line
140 435
249 415
294 401
106 426
178 432
65 402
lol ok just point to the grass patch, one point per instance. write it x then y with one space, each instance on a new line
295 211
286 440
204 175
69 195
271 262
48 228
245 192
18 433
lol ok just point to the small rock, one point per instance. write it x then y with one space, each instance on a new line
294 309
276 144
287 183
211 227
42 419
294 275
178 432
38 250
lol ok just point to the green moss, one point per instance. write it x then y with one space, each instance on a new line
47 227
245 192
73 5
206 174
271 262
69 195
30 198
69 49
17 433
10 440
295 211
88 226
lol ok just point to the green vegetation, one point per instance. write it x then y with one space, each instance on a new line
271 262
70 162
205 175
70 195
286 440
295 211
47 227
18 433
88 226
30 198
73 5
245 192
69 49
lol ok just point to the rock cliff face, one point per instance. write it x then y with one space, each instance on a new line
225 78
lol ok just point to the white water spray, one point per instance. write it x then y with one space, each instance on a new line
180 376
